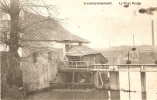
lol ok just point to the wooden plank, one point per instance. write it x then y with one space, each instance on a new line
137 65
73 77
0 62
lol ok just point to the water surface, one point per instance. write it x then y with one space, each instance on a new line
135 85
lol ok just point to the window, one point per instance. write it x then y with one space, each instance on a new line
67 47
35 57
49 56
80 43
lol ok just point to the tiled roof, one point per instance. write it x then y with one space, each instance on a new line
76 50
44 28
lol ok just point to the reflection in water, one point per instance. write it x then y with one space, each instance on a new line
144 96
55 95
115 95
135 85
94 94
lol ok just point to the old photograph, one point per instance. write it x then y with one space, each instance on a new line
78 49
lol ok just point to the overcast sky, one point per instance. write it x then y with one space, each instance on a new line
97 23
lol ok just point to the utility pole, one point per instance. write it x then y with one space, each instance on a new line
109 42
133 40
153 34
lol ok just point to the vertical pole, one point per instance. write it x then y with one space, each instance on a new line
102 83
96 79
143 85
78 77
144 96
133 40
1 74
129 77
142 68
129 81
109 42
48 67
73 79
128 56
143 81
153 34
0 61
109 95
76 64
94 63
87 64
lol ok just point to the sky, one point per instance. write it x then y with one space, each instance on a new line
101 23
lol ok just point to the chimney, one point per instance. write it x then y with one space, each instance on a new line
153 34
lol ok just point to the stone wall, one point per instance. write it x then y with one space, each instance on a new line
39 71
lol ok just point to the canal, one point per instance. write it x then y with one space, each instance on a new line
135 86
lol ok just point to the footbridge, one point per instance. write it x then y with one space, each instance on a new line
95 72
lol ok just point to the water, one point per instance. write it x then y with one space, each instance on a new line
135 85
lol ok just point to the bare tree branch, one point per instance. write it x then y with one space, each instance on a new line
33 24
5 7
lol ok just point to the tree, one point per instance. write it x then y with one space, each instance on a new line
13 9
13 72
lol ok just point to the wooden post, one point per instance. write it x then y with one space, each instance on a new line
144 96
102 83
76 64
114 80
78 77
153 43
143 81
141 68
87 65
129 81
73 79
96 79
0 62
129 78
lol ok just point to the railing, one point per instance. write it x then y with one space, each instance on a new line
100 66
137 67
88 65
79 64
83 65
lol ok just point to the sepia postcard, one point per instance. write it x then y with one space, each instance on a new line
78 49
